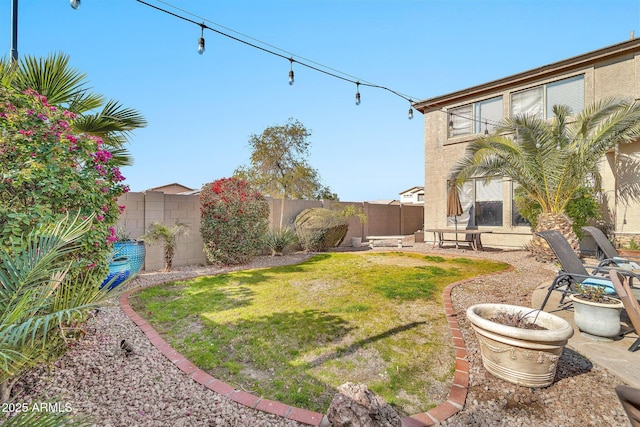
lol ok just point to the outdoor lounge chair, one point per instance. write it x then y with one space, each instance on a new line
630 399
573 271
630 302
606 253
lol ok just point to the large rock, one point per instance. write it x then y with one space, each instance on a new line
356 406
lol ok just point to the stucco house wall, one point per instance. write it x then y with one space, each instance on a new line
611 71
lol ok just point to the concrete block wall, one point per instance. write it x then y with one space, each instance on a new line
143 209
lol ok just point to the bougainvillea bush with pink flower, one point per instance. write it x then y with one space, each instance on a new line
48 172
234 218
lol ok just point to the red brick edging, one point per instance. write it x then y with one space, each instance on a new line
454 403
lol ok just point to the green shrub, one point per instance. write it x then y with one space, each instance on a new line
48 172
234 217
319 229
582 208
278 240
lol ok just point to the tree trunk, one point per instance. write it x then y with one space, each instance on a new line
548 221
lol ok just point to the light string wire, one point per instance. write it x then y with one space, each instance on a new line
289 57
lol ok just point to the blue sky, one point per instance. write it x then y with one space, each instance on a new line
202 109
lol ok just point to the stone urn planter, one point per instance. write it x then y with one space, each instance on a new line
527 357
601 319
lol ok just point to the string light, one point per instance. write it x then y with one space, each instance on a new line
320 68
357 93
201 40
410 110
291 72
74 4
486 128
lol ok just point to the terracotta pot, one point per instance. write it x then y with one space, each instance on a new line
527 357
594 318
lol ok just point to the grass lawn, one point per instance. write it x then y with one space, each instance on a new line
294 333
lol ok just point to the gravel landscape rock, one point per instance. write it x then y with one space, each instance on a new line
97 378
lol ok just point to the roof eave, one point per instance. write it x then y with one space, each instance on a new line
576 62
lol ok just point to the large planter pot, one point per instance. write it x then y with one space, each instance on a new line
527 357
599 319
132 249
119 271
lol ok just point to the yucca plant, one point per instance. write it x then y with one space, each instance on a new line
43 300
166 236
277 240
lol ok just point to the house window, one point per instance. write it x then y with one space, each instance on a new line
421 197
476 117
539 101
481 202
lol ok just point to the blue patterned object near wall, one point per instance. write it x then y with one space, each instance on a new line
119 271
132 249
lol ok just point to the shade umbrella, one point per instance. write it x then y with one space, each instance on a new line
454 207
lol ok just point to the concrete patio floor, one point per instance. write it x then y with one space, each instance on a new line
610 354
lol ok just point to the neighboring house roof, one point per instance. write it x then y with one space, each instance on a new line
173 188
412 190
383 202
629 47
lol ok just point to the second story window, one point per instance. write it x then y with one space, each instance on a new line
539 101
476 117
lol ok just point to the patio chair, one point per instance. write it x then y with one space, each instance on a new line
572 271
630 399
606 253
630 302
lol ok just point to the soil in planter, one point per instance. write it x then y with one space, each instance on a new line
516 320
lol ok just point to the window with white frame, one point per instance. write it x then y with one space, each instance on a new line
476 117
482 203
539 101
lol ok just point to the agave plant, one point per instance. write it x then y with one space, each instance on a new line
278 240
43 299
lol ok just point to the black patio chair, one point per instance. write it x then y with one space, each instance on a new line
573 271
630 399
605 252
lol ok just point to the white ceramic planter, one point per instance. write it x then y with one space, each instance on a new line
602 320
527 357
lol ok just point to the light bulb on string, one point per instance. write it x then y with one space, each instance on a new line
410 110
357 93
201 40
486 128
75 4
291 72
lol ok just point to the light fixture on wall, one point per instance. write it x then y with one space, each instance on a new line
291 72
357 93
201 40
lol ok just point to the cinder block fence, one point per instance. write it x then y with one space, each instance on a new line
142 209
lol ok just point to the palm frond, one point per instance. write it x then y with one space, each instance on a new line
52 77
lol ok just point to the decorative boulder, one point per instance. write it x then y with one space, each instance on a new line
319 229
356 406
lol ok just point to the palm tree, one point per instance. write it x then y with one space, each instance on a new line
65 86
167 236
551 159
42 298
